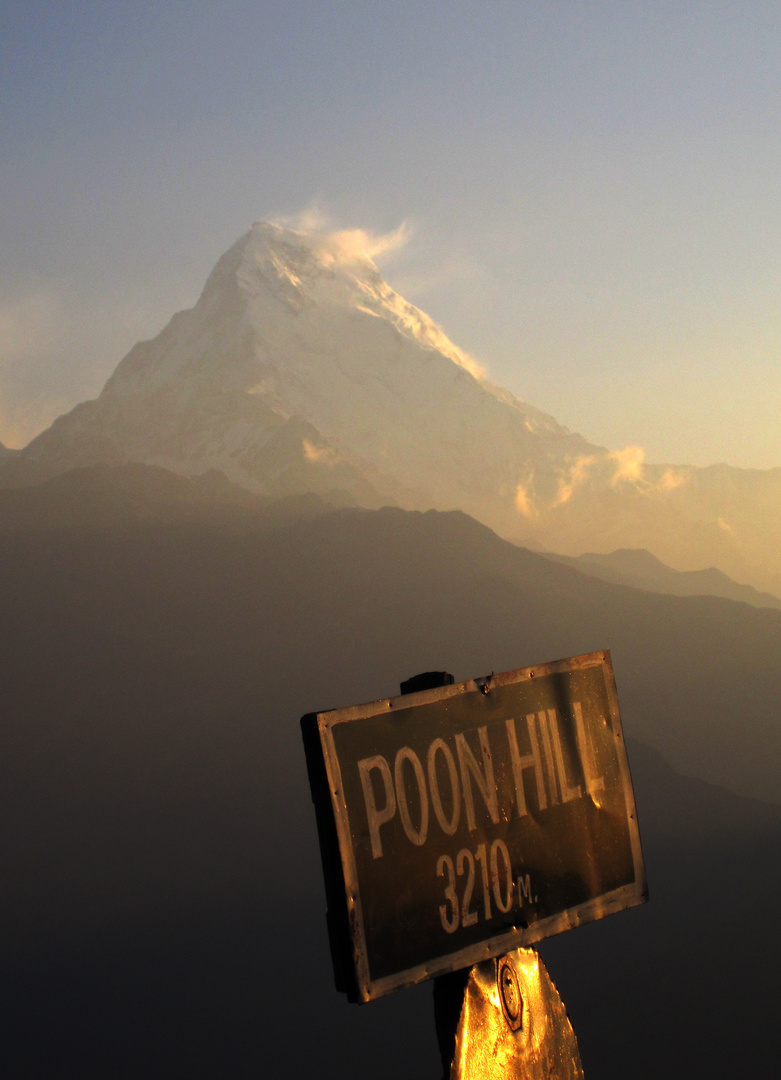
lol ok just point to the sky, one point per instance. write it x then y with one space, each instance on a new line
589 191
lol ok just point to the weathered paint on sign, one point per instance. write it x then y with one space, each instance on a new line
480 817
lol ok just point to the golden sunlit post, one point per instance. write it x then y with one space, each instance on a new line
461 823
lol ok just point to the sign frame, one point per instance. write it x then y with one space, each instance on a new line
347 923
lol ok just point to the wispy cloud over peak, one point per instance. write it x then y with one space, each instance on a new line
343 246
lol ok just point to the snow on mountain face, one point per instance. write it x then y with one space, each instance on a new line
291 330
327 332
300 369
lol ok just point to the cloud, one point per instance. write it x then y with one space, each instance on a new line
320 455
574 477
671 480
343 246
524 499
628 467
625 467
353 245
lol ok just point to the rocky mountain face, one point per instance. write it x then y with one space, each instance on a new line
300 370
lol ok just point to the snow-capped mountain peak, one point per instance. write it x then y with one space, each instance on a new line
301 369
300 366
328 270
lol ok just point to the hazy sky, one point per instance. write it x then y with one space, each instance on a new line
592 190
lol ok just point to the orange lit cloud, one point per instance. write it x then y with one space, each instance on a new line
574 477
628 467
671 480
319 455
524 500
344 246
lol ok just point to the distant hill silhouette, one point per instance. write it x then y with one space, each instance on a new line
698 676
642 570
117 497
161 908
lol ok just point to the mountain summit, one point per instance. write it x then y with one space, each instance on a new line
300 369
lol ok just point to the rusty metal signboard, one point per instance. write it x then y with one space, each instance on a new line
480 817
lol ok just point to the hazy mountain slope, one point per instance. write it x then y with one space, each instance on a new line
197 433
642 570
161 882
299 369
688 517
121 497
698 676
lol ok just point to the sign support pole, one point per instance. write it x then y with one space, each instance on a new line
470 1028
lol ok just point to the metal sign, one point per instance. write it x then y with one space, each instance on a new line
476 818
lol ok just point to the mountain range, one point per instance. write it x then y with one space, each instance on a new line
161 909
298 495
301 370
642 570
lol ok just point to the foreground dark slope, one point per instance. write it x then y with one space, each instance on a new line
162 907
352 600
